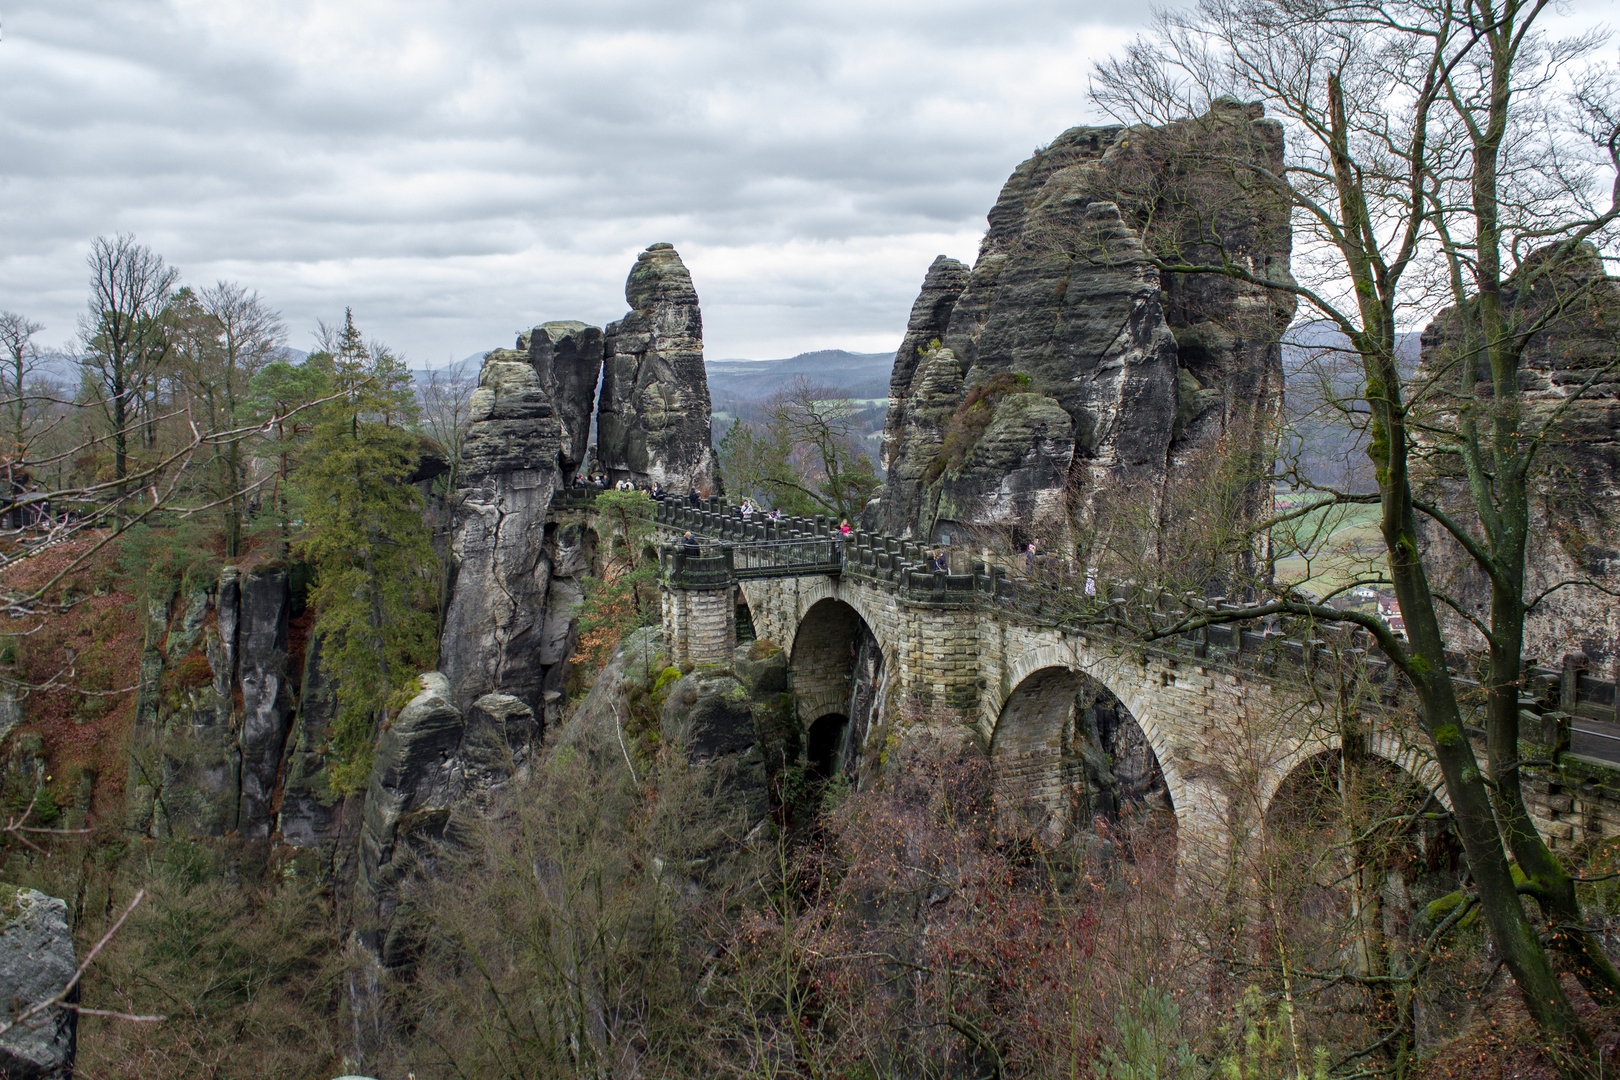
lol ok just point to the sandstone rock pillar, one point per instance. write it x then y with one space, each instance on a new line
652 421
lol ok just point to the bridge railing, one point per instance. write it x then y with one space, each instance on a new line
1555 701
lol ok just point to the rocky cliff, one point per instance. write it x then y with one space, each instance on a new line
495 624
1064 364
567 357
653 418
510 626
36 963
1568 382
215 708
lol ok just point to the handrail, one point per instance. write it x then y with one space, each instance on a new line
733 549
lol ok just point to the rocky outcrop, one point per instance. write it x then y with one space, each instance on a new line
653 418
36 962
1567 380
433 762
309 804
267 702
1066 365
930 319
202 765
567 356
494 626
413 784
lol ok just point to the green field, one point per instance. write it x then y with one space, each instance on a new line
1329 548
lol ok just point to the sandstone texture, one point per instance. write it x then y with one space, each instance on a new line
309 804
267 705
1064 365
1568 382
202 764
567 356
653 419
494 625
36 962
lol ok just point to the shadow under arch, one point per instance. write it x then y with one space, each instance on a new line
825 750
837 668
1067 752
1350 854
1403 754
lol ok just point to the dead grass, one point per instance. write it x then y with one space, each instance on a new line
78 666
1501 1042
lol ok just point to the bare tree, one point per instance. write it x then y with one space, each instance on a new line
445 395
21 358
803 452
248 334
1426 169
123 333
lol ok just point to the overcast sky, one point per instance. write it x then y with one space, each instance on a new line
457 171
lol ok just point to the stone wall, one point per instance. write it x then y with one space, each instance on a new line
700 625
1225 727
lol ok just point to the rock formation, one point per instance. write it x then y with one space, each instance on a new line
36 962
653 418
1065 365
510 626
1574 533
201 764
309 804
261 600
567 356
510 468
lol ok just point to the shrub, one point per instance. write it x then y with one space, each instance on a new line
968 423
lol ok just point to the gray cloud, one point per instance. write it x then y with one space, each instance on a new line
459 170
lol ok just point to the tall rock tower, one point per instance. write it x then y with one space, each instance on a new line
652 421
1064 367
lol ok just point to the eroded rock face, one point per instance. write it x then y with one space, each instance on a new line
267 702
1067 365
653 418
493 629
36 962
1574 533
567 356
309 804
201 765
413 784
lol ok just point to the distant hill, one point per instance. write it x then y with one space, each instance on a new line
861 375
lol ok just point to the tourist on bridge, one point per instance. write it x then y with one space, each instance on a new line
694 498
689 544
941 563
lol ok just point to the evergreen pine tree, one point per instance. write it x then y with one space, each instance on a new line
365 537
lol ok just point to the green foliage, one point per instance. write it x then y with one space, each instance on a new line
1264 1051
368 543
666 679
624 595
157 560
1150 1046
968 423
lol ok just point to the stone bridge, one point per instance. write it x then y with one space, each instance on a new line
1227 713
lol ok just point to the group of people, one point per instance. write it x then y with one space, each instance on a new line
652 489
747 510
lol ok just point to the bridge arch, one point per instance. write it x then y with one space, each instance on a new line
823 657
838 664
1382 743
1124 678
